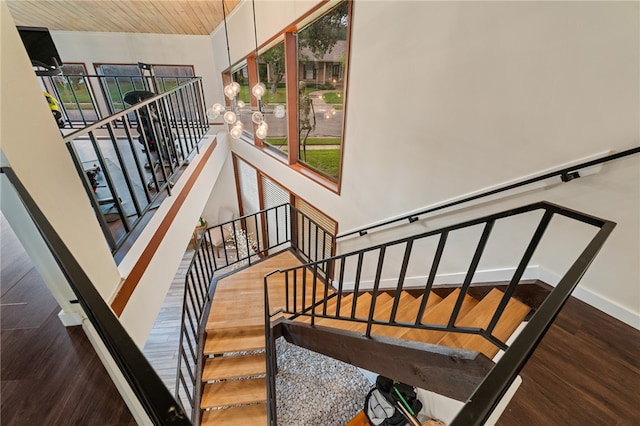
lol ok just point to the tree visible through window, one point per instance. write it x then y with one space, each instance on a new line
322 50
305 79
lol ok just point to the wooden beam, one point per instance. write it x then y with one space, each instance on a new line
447 371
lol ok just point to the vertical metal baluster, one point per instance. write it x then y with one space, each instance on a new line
340 281
403 273
472 269
432 276
374 294
356 285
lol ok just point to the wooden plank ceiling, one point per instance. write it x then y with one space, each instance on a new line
131 16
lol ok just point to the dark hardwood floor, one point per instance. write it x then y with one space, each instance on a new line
586 371
50 374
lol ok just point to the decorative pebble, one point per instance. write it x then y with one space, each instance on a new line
315 390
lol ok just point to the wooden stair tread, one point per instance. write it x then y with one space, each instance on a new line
438 314
228 367
255 319
359 420
234 392
385 312
234 340
480 316
408 312
404 313
255 414
345 307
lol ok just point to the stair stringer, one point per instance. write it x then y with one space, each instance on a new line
452 372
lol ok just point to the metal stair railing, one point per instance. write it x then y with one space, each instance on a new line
245 241
519 351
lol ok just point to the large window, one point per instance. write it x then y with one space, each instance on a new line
322 50
73 89
304 74
272 71
123 78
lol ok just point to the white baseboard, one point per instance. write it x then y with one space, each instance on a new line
129 397
533 272
597 301
70 319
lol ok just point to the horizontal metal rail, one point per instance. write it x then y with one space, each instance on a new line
566 174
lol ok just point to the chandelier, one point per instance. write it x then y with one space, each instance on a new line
231 114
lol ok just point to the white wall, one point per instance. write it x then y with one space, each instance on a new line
142 308
448 98
40 159
223 195
128 48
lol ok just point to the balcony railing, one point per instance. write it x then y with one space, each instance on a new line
129 161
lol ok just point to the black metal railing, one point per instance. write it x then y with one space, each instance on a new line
224 248
85 99
566 174
130 159
153 395
305 297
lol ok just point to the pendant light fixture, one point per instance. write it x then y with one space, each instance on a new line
231 115
231 91
259 89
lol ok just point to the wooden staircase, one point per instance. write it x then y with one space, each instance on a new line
473 313
234 388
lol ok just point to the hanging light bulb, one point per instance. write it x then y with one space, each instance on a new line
229 91
279 111
258 90
230 117
219 108
235 86
257 117
212 114
262 130
215 111
236 130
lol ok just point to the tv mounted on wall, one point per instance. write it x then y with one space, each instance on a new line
40 47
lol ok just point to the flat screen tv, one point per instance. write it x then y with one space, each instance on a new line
40 47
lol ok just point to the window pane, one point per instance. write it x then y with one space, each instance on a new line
241 77
123 79
272 74
73 90
169 76
322 52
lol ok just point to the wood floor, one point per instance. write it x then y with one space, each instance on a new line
50 374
